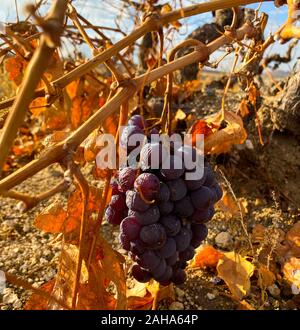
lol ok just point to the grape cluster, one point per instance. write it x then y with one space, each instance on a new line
161 213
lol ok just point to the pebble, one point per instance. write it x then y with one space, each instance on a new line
179 292
176 305
274 290
224 240
211 296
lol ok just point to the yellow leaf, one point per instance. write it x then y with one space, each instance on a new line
236 272
291 271
266 278
221 140
180 115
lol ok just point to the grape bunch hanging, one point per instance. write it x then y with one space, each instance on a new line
162 215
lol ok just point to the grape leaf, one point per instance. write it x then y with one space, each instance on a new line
236 272
206 257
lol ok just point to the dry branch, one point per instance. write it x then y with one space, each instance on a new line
125 92
33 74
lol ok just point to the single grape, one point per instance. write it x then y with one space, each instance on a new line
195 184
182 239
148 185
168 249
127 133
187 254
154 131
179 276
148 217
171 224
165 278
131 228
184 207
177 189
135 202
115 188
138 121
140 274
209 176
137 247
152 155
166 208
154 235
112 216
118 203
217 191
201 198
160 269
173 259
200 232
172 168
148 260
164 192
200 216
125 242
126 178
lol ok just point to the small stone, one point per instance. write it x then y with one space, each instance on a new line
176 305
179 292
10 298
274 290
211 296
224 240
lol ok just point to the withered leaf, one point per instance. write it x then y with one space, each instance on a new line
206 256
236 272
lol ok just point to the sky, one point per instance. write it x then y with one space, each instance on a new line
104 12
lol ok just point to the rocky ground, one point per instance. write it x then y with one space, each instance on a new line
264 178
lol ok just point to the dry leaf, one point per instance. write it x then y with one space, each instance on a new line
245 306
236 272
53 220
229 205
220 140
266 277
291 271
258 233
206 256
36 302
243 108
293 234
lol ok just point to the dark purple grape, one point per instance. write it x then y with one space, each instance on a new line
179 276
168 249
125 242
154 131
166 276
187 254
200 232
171 224
137 247
172 168
166 208
153 236
217 191
148 260
112 216
127 133
164 192
115 189
184 207
131 228
209 176
177 189
182 239
148 185
135 202
201 198
200 216
126 178
117 202
152 155
148 217
140 274
160 269
138 121
195 184
173 259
